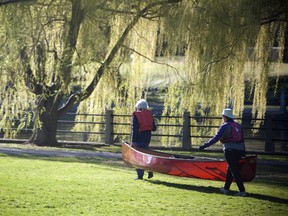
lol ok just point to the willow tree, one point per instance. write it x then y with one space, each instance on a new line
225 44
66 52
218 37
55 53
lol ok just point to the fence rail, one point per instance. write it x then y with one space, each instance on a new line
272 136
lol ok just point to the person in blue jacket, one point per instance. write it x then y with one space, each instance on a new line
142 124
230 134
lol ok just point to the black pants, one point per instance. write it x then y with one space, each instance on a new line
233 170
140 172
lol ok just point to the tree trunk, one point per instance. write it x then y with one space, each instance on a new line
44 133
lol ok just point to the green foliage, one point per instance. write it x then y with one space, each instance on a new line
67 41
217 37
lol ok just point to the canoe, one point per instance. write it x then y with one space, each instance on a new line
185 166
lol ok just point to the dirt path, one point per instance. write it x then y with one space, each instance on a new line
83 153
59 153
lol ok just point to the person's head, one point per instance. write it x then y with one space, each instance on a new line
142 104
227 114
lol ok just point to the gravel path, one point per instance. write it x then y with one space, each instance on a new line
60 153
82 153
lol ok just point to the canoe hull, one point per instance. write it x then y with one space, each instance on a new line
198 167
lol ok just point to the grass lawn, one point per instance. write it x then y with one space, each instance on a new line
34 185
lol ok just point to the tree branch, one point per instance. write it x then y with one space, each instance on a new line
118 45
275 17
77 97
14 1
156 62
277 11
29 77
71 40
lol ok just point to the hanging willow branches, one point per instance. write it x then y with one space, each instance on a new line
215 39
101 54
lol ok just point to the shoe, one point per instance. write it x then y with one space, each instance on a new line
150 175
224 191
242 194
139 178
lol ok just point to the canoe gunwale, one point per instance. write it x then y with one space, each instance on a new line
173 156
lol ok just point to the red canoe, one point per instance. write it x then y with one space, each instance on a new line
185 166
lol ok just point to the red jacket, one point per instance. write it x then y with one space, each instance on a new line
145 120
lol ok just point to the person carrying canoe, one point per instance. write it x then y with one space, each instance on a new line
231 136
142 123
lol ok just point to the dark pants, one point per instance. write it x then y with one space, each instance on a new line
140 172
233 170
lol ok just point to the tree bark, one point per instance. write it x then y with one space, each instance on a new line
47 112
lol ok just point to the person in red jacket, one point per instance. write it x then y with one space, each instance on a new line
142 124
230 134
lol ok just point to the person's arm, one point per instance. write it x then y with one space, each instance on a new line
154 126
134 129
216 138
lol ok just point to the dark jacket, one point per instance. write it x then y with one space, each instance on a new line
224 131
136 134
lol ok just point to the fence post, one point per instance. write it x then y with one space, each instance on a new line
283 102
269 146
186 139
109 127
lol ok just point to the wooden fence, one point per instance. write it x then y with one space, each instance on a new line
272 136
188 131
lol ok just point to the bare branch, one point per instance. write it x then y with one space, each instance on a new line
30 80
160 63
14 1
275 17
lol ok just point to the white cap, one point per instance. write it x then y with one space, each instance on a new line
142 104
228 112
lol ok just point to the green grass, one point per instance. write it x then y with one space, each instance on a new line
33 185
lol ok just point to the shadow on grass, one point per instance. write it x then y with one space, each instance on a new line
213 190
266 173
